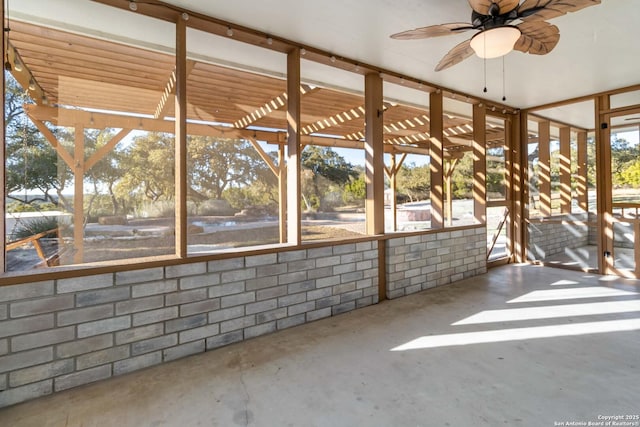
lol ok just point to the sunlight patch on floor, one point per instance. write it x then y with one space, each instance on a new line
550 312
520 334
567 294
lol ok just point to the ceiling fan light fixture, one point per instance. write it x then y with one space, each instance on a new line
495 42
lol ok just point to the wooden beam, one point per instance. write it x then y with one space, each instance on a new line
169 90
565 170
479 164
294 148
106 148
436 163
581 178
519 145
181 139
267 159
544 164
49 136
374 154
275 104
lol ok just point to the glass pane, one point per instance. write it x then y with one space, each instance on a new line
89 168
332 177
408 178
234 118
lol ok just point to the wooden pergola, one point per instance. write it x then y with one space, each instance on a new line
88 83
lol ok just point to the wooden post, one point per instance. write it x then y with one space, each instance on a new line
294 232
603 187
3 157
374 154
282 196
581 179
181 139
565 170
519 145
436 153
479 164
393 185
544 162
78 194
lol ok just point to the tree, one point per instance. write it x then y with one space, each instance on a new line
326 168
414 181
32 164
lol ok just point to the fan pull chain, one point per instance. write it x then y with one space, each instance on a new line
484 59
504 96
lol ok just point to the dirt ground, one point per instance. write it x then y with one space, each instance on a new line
98 249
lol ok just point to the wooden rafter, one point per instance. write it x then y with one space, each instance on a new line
169 90
269 107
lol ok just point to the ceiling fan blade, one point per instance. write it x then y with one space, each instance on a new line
457 54
538 37
433 31
484 6
531 10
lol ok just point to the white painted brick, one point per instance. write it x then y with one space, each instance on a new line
258 330
102 357
287 278
238 275
77 284
199 307
235 324
272 315
154 288
301 265
199 333
301 308
86 345
289 322
139 276
140 304
271 270
138 334
26 290
82 315
155 316
292 255
103 326
136 363
154 344
239 299
40 372
183 270
183 350
261 306
102 296
25 359
202 281
318 314
186 323
261 282
25 325
41 305
256 260
225 339
270 293
226 314
42 339
27 392
225 264
185 297
319 252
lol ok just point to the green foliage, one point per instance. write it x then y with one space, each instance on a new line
20 206
414 181
324 176
355 191
35 226
631 175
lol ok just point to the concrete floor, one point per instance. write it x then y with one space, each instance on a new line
520 346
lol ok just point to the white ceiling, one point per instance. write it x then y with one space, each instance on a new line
599 47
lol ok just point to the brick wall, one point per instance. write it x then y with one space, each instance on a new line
419 262
59 334
550 238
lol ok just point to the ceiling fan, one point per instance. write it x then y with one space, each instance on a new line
497 34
